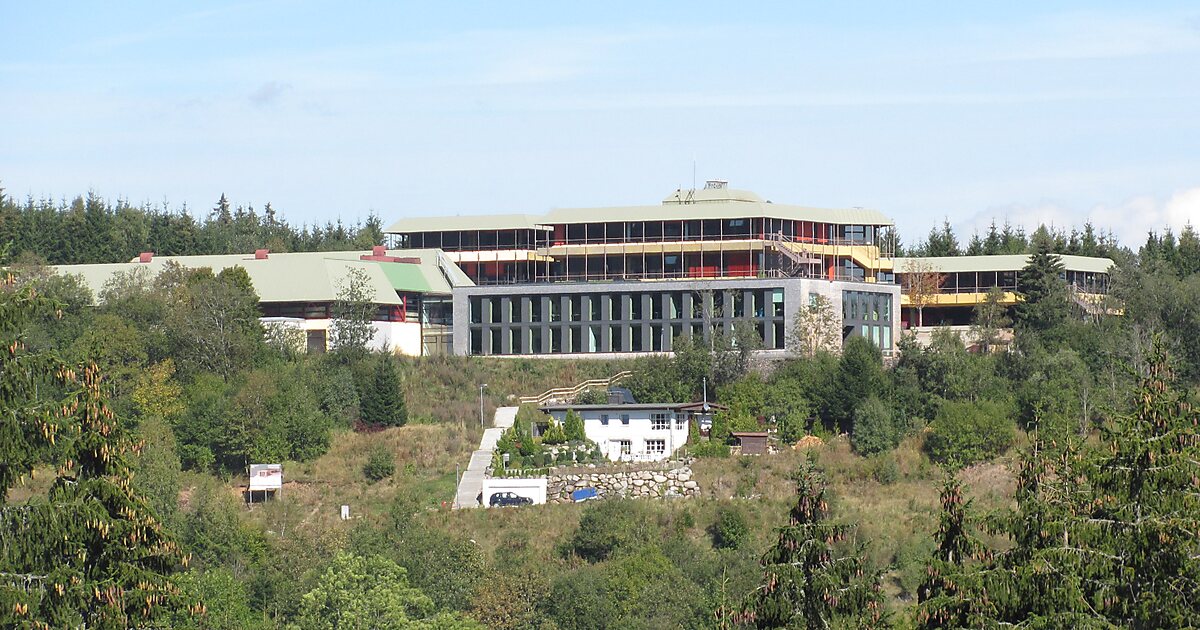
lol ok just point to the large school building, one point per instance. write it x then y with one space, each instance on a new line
620 280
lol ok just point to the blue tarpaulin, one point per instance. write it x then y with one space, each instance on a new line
583 494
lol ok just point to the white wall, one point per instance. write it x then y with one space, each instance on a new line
534 489
637 432
401 337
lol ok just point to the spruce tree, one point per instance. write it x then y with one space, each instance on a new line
953 594
810 580
1042 292
382 402
1144 517
91 551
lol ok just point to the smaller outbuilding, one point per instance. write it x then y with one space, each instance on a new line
751 442
266 479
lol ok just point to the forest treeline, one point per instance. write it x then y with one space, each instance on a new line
92 229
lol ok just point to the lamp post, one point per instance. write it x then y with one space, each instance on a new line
482 386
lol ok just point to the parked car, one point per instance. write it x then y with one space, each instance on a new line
504 499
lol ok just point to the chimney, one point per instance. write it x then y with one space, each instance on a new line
261 254
379 250
145 257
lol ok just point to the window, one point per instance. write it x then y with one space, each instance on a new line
625 419
656 447
626 446
604 419
680 419
660 421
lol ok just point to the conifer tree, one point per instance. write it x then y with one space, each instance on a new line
382 401
1042 293
91 551
1144 518
953 594
809 581
573 427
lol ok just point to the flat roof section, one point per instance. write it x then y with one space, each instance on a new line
999 262
708 203
460 222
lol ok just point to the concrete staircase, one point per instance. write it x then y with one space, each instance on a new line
470 486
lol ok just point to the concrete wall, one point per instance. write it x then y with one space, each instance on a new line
534 489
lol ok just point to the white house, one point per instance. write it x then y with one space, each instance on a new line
633 431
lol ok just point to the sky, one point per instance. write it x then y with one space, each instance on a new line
1025 112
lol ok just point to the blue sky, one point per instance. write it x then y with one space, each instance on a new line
1056 112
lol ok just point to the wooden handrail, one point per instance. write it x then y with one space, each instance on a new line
562 393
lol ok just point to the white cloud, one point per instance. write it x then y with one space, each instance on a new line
1130 220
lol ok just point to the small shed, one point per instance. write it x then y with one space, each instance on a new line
265 478
752 442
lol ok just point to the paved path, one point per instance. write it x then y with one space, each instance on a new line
470 486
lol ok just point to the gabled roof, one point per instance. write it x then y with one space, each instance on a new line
303 276
1000 262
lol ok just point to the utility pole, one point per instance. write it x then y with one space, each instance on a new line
482 386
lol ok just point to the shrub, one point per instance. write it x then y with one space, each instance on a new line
573 426
592 397
710 448
608 527
884 469
874 428
730 530
380 464
554 434
964 433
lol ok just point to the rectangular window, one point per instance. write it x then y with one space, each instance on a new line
680 420
660 421
625 419
604 419
656 447
626 446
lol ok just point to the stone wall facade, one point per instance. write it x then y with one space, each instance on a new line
673 482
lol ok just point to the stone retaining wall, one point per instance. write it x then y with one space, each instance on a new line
675 482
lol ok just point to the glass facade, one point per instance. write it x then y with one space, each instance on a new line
620 321
868 315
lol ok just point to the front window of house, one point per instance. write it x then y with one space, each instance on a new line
660 421
604 419
626 446
625 419
656 447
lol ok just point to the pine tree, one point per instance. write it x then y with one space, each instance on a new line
1042 292
1145 511
382 402
808 580
953 594
90 552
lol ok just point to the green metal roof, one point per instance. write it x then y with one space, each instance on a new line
304 277
1002 262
